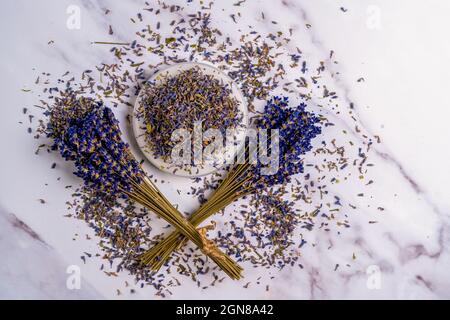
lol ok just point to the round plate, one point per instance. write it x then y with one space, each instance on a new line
139 127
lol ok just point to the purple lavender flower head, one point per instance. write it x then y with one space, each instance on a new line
296 128
86 132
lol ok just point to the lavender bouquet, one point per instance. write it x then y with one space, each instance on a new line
296 128
87 133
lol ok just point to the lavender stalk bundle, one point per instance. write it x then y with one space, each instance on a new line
86 132
296 126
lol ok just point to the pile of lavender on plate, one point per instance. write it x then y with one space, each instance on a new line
183 100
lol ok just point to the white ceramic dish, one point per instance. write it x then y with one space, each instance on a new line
139 128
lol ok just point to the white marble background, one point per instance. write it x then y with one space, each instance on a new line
400 47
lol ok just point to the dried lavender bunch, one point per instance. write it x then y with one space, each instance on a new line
296 128
87 133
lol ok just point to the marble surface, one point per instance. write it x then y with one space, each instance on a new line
401 50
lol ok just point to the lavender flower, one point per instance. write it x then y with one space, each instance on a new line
296 127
